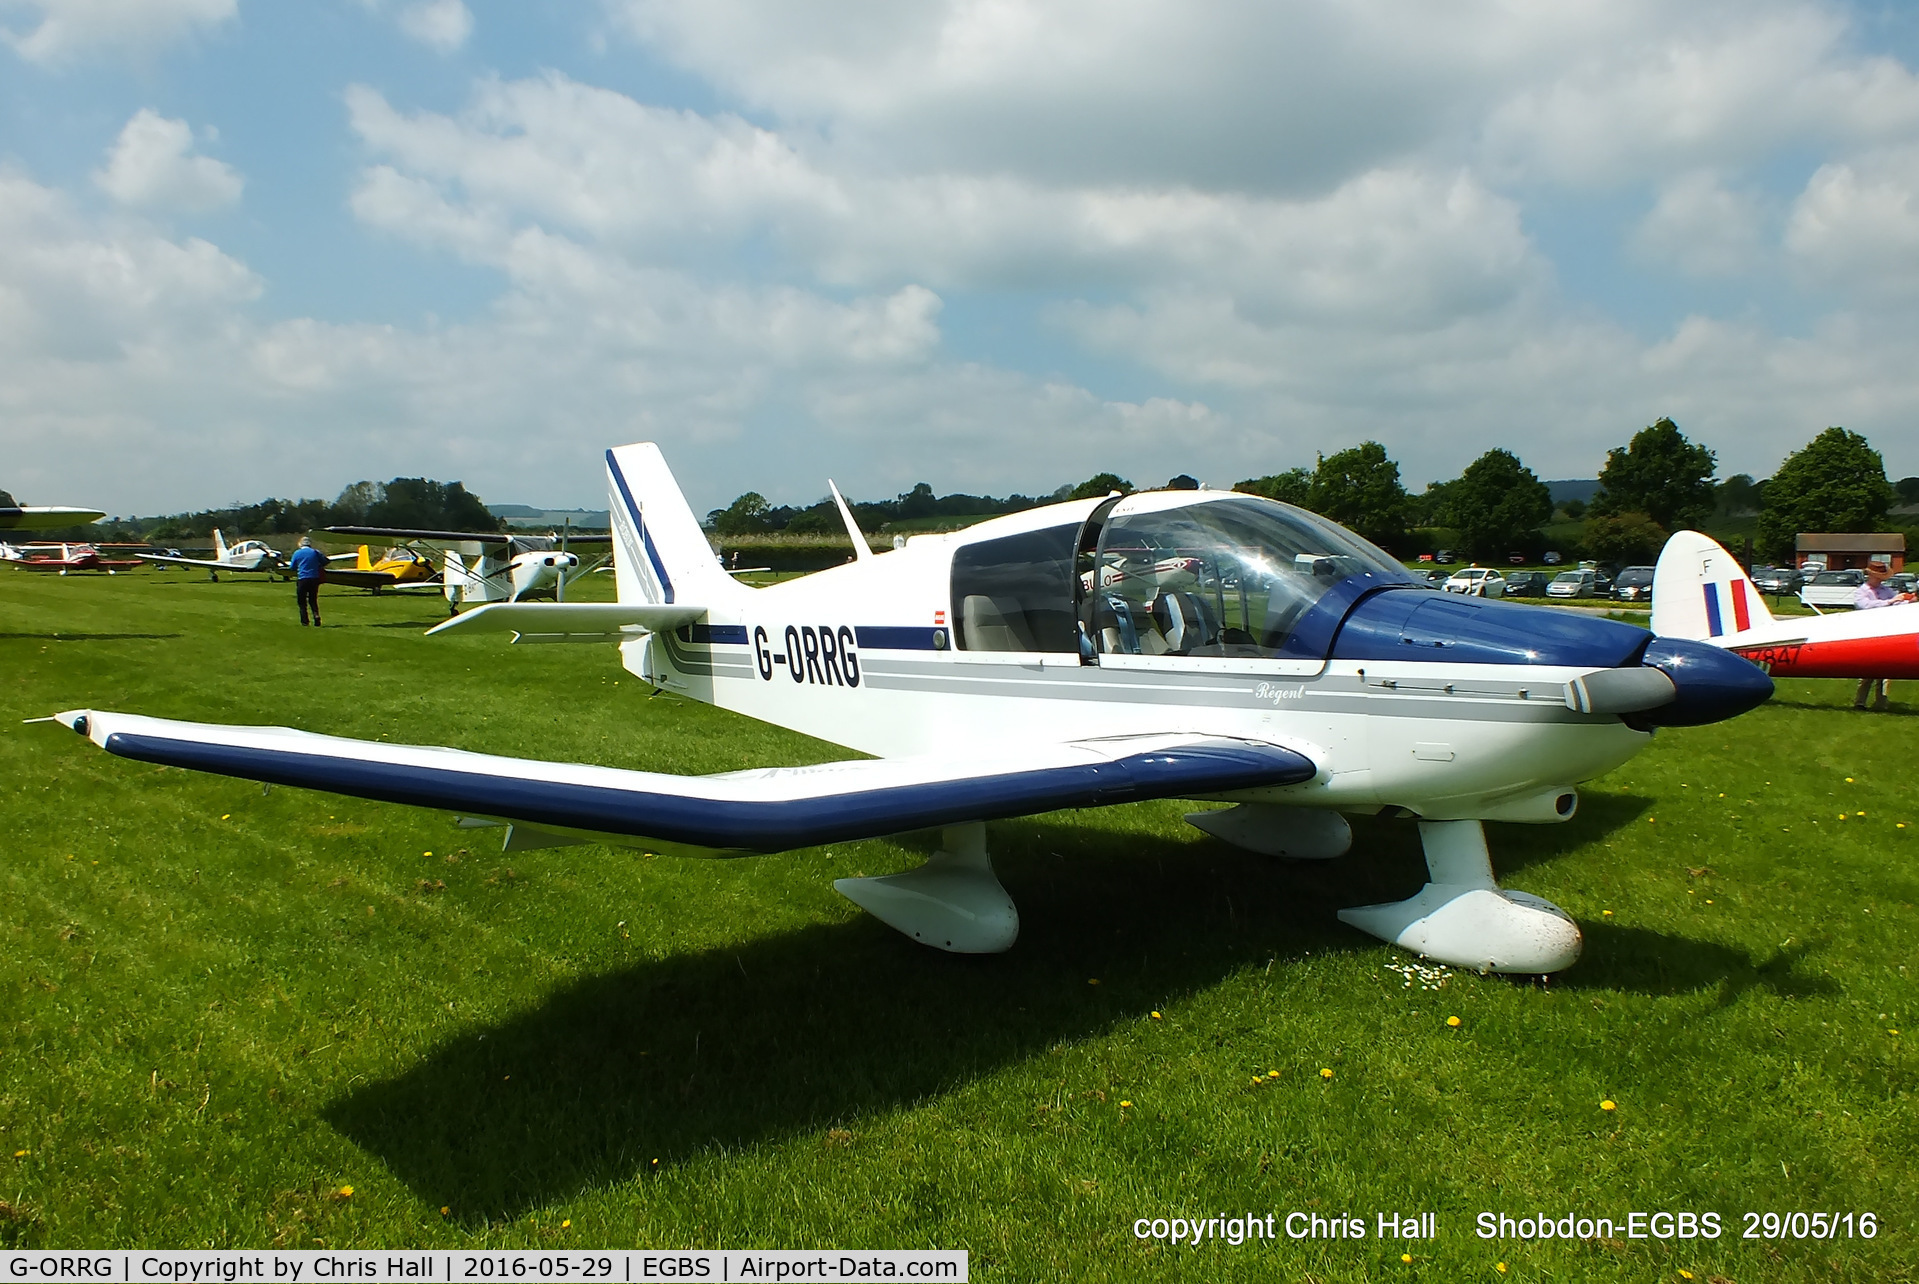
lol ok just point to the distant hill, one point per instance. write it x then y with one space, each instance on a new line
1583 491
524 516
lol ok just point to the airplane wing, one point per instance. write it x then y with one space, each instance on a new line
769 810
352 577
584 621
458 537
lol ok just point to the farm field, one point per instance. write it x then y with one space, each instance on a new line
232 1017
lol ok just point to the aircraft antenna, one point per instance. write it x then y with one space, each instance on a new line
861 549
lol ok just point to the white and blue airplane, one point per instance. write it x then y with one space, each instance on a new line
1037 661
247 555
488 566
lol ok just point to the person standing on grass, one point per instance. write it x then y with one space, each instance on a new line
1875 592
309 568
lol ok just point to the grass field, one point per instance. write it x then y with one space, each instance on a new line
222 1006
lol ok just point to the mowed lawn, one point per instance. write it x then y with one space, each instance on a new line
221 1006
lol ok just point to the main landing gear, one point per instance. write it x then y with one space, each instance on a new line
1461 917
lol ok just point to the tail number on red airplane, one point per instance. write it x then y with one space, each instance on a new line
823 656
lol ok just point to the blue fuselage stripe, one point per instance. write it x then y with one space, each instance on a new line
639 524
742 825
887 637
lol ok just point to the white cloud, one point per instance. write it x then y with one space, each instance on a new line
1856 225
442 24
138 27
1702 228
150 166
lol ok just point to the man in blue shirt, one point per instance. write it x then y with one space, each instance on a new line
309 567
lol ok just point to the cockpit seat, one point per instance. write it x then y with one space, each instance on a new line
993 624
1186 621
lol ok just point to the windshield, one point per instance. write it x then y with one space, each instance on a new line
1570 577
1636 575
1220 577
1839 577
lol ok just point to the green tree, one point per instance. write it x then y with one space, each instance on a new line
6 500
1185 481
1836 483
1574 508
1290 487
1739 493
1359 488
1661 474
1099 486
1497 505
421 502
1907 488
744 516
1624 537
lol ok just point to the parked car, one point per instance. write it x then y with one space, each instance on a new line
1517 559
1477 581
1903 581
1552 559
1579 583
1435 579
1445 557
1832 588
1527 584
1633 585
1777 581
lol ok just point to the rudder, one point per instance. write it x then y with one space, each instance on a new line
663 554
1701 592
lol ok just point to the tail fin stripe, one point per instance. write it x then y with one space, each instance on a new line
639 524
1741 616
1713 628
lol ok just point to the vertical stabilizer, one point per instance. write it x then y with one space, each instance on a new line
219 546
1700 591
662 553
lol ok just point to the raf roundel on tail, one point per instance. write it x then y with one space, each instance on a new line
1205 645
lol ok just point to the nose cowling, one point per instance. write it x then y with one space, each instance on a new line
1710 685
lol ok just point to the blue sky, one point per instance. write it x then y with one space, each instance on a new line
251 249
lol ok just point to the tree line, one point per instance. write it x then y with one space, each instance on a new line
1656 483
416 502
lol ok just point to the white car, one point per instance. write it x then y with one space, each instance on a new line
1579 583
1832 588
1476 581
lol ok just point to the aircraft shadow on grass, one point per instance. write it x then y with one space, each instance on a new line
630 1072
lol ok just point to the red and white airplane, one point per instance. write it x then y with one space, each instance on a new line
72 557
1701 592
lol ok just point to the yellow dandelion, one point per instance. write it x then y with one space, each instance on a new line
568 1223
228 816
1092 980
346 1192
1859 813
1685 1274
1272 1074
1888 1031
1326 1072
1902 825
1452 1021
1405 1257
446 1210
1849 780
1125 1105
1500 1267
1606 913
19 1154
1158 1017
426 853
1609 1104
1257 1081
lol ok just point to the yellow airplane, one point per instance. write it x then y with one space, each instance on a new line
398 566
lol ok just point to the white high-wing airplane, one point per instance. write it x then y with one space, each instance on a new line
1700 591
1299 673
247 555
505 568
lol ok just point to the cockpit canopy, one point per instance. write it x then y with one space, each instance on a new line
1166 573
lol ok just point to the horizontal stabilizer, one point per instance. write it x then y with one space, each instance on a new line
590 618
775 809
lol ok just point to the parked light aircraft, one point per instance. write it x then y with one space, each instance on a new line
247 555
62 558
15 517
396 567
1299 673
506 567
1701 592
